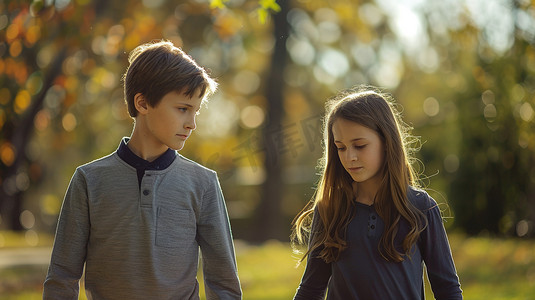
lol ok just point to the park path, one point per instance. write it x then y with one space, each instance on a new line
24 256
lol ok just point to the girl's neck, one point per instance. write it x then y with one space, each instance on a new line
365 192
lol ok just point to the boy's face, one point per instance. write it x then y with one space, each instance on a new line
172 120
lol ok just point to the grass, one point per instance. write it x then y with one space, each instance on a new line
489 269
267 272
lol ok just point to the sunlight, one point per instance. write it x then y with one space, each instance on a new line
406 23
496 20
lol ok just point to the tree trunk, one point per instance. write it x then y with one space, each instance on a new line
268 221
11 198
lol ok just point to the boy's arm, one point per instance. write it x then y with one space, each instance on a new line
69 252
215 239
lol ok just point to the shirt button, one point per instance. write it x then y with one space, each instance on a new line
373 217
372 227
146 192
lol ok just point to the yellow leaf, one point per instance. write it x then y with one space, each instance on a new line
262 15
270 4
217 4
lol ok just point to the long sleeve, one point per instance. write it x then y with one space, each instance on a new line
437 256
317 273
69 251
215 240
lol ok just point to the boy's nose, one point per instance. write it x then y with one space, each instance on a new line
191 124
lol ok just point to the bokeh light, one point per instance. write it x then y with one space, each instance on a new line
431 107
246 82
69 122
252 116
27 219
7 153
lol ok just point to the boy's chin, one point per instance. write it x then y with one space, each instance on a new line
176 147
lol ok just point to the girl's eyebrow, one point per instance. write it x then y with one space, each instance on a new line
353 140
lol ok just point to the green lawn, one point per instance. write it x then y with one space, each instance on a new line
488 268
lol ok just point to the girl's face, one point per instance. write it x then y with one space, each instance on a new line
360 150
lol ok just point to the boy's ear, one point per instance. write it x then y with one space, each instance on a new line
141 103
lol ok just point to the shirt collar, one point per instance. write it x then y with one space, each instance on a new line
162 162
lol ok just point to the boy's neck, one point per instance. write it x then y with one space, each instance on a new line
143 146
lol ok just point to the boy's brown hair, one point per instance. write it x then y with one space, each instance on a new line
158 68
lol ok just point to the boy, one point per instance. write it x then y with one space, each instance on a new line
138 216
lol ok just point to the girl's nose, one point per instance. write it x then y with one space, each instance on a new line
353 156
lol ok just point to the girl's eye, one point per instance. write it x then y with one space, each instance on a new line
183 109
340 149
360 146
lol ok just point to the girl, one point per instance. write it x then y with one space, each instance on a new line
371 228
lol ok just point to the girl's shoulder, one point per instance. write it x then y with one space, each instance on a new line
420 199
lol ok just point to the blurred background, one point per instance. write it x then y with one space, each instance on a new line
463 72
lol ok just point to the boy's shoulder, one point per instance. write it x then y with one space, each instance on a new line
109 160
193 167
109 165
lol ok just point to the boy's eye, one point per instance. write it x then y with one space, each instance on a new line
360 146
183 109
340 148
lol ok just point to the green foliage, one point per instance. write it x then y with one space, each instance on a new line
492 98
263 10
469 98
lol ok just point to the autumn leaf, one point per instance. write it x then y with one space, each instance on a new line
269 4
218 4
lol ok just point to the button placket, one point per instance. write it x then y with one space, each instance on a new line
147 184
372 224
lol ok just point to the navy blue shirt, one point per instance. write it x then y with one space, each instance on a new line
141 165
361 272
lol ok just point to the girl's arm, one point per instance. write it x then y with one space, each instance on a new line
317 274
437 256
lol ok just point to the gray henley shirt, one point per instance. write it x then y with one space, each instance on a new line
142 240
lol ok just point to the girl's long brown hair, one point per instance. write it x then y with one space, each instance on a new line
334 197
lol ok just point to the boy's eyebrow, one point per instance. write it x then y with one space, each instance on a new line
188 105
